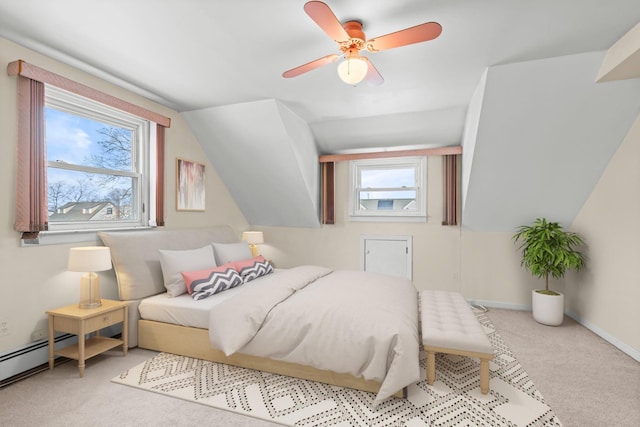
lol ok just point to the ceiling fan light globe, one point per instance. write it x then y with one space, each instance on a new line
353 70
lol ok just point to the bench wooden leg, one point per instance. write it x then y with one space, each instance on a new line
484 376
431 367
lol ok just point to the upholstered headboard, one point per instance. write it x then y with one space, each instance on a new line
136 260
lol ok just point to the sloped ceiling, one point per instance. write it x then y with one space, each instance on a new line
400 131
213 57
539 142
267 157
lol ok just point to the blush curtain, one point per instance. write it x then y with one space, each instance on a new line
327 201
450 189
160 130
31 216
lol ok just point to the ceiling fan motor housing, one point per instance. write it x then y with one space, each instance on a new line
357 38
351 40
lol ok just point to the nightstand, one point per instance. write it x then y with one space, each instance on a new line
81 321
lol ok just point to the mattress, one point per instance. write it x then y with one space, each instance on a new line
184 310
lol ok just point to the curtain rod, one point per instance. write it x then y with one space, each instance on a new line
439 151
33 72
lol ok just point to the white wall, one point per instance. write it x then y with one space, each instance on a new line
34 279
435 248
606 296
491 271
485 266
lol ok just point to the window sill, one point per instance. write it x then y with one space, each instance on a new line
381 218
61 237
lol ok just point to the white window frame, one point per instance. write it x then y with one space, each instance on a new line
141 158
419 164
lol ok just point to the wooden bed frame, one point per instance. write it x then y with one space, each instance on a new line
194 342
136 261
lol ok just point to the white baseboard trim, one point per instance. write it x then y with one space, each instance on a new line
622 346
496 304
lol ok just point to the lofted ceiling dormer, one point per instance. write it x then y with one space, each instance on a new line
538 137
536 134
266 156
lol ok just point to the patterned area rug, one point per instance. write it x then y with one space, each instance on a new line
453 400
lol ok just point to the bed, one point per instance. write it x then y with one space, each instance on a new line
346 328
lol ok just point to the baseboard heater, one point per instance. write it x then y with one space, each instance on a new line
34 357
18 363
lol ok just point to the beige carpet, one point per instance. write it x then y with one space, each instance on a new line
454 399
586 381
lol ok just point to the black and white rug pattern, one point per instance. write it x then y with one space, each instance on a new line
453 400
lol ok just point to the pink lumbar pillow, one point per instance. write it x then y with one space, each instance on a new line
204 283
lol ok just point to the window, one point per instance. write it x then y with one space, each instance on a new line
388 189
145 201
97 164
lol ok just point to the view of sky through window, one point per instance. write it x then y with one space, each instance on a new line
85 154
377 179
70 138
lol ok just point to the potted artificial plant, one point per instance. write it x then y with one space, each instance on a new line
548 250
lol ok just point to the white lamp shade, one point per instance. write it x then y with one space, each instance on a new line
89 259
353 70
253 237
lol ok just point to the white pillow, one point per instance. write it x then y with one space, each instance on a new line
174 262
230 252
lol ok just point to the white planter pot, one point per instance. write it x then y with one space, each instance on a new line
548 309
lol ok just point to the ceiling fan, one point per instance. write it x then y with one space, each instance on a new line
351 40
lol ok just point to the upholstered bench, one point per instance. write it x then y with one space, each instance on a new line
449 326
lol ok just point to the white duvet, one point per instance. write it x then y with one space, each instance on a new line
351 322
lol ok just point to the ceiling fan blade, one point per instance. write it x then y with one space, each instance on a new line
324 17
311 66
373 76
419 33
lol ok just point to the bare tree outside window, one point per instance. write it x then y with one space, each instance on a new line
98 164
115 149
92 171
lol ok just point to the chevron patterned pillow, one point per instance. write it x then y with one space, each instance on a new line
204 283
253 268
